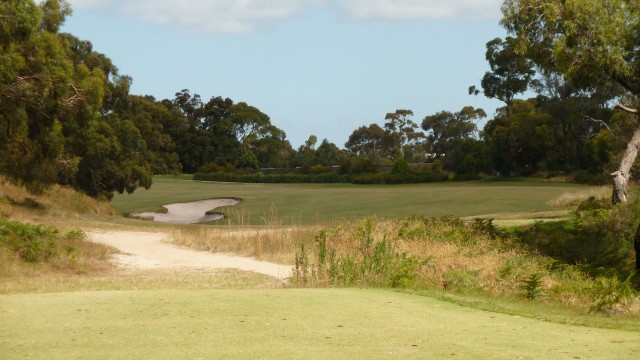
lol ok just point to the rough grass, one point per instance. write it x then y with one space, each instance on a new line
447 254
285 324
56 203
573 198
275 244
296 204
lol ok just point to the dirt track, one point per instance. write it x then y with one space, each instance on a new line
147 250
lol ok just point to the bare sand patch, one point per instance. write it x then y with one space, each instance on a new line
189 213
147 250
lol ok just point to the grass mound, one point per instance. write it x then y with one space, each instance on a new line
56 202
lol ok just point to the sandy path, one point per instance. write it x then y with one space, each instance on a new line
147 250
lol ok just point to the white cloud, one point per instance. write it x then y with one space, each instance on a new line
247 16
217 16
421 9
77 4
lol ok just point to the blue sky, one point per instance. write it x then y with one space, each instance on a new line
321 67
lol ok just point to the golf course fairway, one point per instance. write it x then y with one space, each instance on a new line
285 324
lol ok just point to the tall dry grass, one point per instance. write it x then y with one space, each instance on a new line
56 203
448 254
272 243
572 199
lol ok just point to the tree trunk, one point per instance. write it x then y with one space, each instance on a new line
621 177
621 182
636 247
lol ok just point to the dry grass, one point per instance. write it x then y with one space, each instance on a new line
455 256
276 244
572 199
58 205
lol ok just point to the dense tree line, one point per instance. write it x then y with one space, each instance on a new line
66 114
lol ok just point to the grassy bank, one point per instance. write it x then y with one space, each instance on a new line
294 204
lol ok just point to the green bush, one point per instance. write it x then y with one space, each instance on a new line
595 236
532 285
32 243
611 292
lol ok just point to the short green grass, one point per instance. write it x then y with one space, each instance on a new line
285 324
318 203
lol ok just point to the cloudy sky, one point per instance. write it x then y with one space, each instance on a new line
321 67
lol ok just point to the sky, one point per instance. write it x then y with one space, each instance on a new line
315 67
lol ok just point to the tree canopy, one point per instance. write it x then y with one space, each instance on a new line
591 43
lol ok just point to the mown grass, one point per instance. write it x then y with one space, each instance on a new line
137 280
297 204
285 324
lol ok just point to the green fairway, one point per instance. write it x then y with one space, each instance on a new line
313 203
284 324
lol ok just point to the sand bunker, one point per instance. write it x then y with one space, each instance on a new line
189 213
145 250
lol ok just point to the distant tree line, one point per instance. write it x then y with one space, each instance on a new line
67 117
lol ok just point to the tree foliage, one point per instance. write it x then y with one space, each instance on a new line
510 72
590 43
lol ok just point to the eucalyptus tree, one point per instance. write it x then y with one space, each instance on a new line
40 90
589 42
372 142
511 72
405 131
454 138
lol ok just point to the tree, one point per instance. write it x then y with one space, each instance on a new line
510 72
373 142
156 123
454 135
402 129
306 154
328 154
444 127
518 143
590 43
40 91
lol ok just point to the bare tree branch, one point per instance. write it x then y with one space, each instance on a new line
598 121
627 109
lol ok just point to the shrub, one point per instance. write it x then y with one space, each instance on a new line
32 243
532 285
595 235
609 293
400 166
